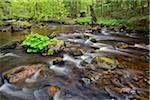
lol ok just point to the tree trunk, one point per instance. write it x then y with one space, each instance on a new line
93 19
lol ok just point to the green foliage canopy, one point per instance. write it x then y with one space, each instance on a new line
36 9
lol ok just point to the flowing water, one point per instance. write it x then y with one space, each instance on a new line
93 66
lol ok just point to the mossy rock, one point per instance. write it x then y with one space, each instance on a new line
23 23
122 45
105 62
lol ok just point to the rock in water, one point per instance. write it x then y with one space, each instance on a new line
52 90
33 78
25 72
105 62
122 45
59 70
10 45
58 46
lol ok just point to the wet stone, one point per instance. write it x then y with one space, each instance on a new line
86 81
21 73
59 46
58 60
52 90
122 45
73 51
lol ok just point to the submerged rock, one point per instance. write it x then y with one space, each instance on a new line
41 94
14 93
62 96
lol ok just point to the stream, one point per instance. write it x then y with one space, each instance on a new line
93 66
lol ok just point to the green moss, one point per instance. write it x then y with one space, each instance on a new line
107 60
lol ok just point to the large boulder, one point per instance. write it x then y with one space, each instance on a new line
21 73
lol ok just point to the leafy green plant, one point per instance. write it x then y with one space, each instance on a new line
109 22
50 52
39 44
85 20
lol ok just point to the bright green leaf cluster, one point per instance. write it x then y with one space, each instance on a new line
39 44
50 52
109 22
